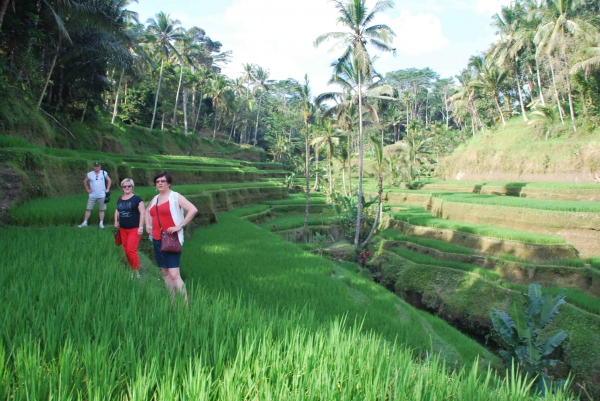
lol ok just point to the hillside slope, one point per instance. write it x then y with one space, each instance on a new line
519 152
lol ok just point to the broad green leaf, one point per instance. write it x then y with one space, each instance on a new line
554 342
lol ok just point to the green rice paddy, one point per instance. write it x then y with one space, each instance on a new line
421 259
576 297
421 217
430 243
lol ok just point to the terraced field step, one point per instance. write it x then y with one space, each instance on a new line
533 190
489 240
548 274
577 222
208 198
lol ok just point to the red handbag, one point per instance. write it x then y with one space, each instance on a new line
168 242
118 241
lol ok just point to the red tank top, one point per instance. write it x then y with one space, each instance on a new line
166 220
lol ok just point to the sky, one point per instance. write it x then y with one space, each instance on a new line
278 34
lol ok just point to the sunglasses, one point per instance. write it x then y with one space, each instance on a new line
160 181
127 186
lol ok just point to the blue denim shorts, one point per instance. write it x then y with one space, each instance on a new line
167 260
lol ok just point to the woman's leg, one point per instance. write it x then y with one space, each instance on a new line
174 282
131 240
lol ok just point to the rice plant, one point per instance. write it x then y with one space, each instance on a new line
421 217
75 326
430 243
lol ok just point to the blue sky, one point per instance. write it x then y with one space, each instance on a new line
278 34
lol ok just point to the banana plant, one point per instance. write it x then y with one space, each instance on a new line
520 332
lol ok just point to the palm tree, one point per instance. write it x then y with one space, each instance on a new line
262 83
464 98
506 51
166 32
328 136
204 75
379 165
356 18
557 25
186 50
134 32
307 109
218 86
489 78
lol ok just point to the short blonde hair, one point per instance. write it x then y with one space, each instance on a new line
128 181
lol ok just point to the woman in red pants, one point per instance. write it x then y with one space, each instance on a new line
129 219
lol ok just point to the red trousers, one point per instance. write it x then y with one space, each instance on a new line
131 240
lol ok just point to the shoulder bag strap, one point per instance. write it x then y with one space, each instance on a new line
157 217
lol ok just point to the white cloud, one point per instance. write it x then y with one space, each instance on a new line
417 33
490 7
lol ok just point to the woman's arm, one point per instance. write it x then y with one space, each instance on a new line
148 221
142 211
190 210
117 218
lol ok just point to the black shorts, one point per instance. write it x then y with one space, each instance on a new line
167 260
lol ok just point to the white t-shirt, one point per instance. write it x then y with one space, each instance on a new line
97 184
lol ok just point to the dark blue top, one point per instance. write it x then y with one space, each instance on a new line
129 214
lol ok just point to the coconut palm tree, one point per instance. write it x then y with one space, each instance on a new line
165 32
203 75
379 166
327 135
307 109
262 85
558 24
506 51
218 86
489 78
356 18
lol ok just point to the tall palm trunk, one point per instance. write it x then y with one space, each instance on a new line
499 110
330 173
349 163
360 164
198 113
162 62
115 110
307 176
569 92
84 110
232 128
257 115
177 98
560 111
185 116
3 8
539 81
520 95
316 186
215 106
379 210
39 104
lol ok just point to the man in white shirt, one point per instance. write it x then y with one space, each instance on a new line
97 184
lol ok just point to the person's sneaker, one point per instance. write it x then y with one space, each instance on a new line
84 224
139 275
101 225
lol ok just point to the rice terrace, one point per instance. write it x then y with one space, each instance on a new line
286 200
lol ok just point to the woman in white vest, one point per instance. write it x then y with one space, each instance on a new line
166 210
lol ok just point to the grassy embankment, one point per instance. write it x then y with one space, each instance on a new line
420 217
517 153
